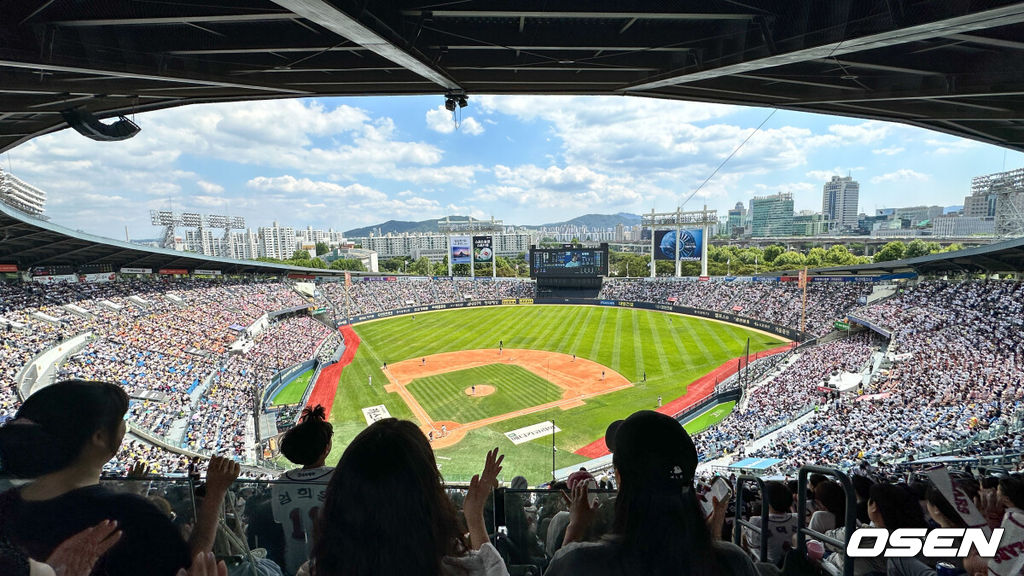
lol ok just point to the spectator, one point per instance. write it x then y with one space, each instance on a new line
300 493
658 527
387 512
782 524
61 437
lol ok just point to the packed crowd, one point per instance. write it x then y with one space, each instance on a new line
777 302
163 341
958 352
785 394
368 296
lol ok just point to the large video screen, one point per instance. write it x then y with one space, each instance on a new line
569 262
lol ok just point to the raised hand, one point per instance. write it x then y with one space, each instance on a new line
77 555
482 484
473 506
220 474
581 515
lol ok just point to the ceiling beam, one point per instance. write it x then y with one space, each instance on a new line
329 17
528 48
693 16
178 20
139 76
986 41
1003 16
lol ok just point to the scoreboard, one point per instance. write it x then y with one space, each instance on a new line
569 262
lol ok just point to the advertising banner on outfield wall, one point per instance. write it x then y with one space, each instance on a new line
690 245
462 250
483 252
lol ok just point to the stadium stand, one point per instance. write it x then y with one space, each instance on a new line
776 302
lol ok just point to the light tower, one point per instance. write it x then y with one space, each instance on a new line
169 220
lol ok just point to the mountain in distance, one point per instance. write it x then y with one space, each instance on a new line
398 227
427 226
598 221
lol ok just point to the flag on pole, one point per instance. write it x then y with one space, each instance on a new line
803 278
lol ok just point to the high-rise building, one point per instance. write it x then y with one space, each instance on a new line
808 223
772 215
276 242
735 218
21 195
839 199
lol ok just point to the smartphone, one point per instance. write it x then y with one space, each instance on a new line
591 496
719 489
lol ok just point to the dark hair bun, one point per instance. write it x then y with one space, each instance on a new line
314 414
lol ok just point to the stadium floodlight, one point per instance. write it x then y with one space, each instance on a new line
191 220
217 221
238 222
162 217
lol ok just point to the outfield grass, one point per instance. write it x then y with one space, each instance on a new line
293 391
443 396
673 350
709 417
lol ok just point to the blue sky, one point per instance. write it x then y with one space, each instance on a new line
350 162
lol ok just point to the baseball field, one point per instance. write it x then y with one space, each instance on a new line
470 376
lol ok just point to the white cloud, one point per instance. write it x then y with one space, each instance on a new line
210 187
901 175
944 146
826 175
471 126
890 151
863 133
440 120
305 200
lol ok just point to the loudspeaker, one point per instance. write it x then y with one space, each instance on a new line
89 126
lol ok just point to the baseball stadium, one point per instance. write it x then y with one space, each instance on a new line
203 405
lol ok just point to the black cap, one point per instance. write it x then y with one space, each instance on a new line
652 448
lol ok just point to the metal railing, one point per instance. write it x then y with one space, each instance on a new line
850 523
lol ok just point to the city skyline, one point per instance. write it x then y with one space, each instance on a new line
352 162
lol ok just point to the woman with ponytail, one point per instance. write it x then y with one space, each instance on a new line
299 494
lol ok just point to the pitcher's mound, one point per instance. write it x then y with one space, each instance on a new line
481 390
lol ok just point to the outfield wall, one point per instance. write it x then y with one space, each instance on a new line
284 377
744 321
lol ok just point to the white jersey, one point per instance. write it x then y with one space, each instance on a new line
298 498
781 528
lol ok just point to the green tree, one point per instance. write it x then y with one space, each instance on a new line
815 256
790 260
838 255
953 247
628 263
421 267
392 265
894 250
440 268
300 255
322 248
348 264
664 268
772 252
917 247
